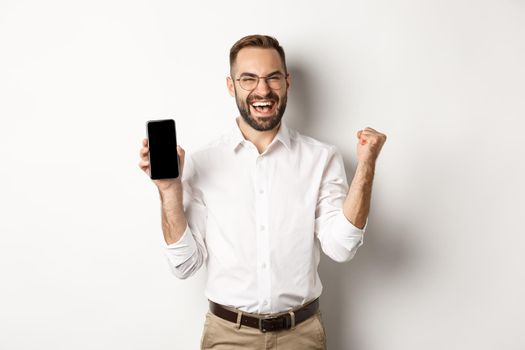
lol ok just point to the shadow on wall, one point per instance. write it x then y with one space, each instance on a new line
299 113
382 256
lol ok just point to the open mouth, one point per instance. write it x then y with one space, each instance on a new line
263 107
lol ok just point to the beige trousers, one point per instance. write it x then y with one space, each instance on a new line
219 334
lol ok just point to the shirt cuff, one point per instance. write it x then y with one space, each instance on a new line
181 250
346 233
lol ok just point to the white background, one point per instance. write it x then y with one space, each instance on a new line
442 266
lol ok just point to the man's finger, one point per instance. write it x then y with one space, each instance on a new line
368 132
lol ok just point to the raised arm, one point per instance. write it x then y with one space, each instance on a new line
357 203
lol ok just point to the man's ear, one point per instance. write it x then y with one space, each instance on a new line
288 81
231 88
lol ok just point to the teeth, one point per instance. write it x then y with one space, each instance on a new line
261 104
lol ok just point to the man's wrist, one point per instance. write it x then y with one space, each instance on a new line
367 165
172 193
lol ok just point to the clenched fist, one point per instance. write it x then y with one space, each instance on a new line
369 145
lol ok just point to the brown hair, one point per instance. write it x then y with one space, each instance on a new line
261 41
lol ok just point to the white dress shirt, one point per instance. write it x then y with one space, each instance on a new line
258 221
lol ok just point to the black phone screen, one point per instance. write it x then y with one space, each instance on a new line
162 143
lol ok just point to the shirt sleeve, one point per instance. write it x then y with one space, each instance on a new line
187 255
339 238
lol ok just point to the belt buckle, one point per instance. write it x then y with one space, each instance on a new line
272 324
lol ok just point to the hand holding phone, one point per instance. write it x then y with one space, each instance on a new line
163 161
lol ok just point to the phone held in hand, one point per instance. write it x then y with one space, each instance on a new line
162 143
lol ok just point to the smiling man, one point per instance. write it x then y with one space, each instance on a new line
257 206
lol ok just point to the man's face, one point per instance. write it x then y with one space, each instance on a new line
252 62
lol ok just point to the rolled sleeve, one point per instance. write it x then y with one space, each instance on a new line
346 234
180 251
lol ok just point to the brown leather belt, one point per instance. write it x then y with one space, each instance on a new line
267 323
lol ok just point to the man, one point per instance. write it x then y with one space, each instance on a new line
257 205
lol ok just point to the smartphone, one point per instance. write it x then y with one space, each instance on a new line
162 143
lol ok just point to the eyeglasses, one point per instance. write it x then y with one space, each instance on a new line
250 82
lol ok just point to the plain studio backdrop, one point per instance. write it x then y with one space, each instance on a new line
81 260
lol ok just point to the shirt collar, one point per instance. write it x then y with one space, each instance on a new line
237 138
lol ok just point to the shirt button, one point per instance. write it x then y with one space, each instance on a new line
262 227
265 302
263 265
261 191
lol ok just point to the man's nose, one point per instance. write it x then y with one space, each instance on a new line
262 87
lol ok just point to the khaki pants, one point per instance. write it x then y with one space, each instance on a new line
219 334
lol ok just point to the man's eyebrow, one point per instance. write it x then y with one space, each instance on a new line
244 74
275 72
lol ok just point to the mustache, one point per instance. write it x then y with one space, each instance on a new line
270 96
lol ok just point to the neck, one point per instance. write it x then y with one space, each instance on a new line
261 139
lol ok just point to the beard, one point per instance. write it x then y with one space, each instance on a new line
262 124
